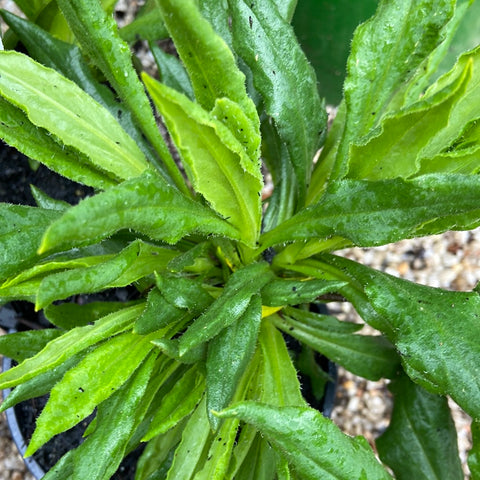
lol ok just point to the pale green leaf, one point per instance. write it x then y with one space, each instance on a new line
372 213
421 440
98 35
60 349
92 380
284 78
385 52
145 204
313 444
214 159
18 131
61 107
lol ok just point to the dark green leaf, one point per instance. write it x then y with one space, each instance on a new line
172 72
98 36
312 443
474 454
421 441
22 345
145 204
25 226
229 354
435 331
372 357
148 25
372 213
283 76
282 292
231 304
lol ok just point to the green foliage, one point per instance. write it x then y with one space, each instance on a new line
201 365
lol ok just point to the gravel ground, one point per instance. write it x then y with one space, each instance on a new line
363 407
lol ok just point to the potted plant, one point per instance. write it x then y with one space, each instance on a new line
196 366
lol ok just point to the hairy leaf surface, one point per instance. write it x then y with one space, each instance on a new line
215 160
421 440
283 76
372 213
313 444
145 204
58 105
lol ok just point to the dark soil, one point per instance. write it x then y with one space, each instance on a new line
16 176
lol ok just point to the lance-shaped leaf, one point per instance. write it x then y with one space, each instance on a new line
372 213
61 107
285 79
210 63
21 225
94 379
100 455
371 357
18 131
97 34
229 354
313 444
145 204
407 30
132 263
435 331
231 304
281 292
177 403
22 345
67 59
214 159
60 349
421 440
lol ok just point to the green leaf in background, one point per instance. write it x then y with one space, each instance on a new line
421 440
94 379
148 25
371 357
61 107
313 444
435 331
214 159
372 213
97 34
406 30
229 354
474 454
145 204
68 344
21 225
324 29
232 303
286 81
172 72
